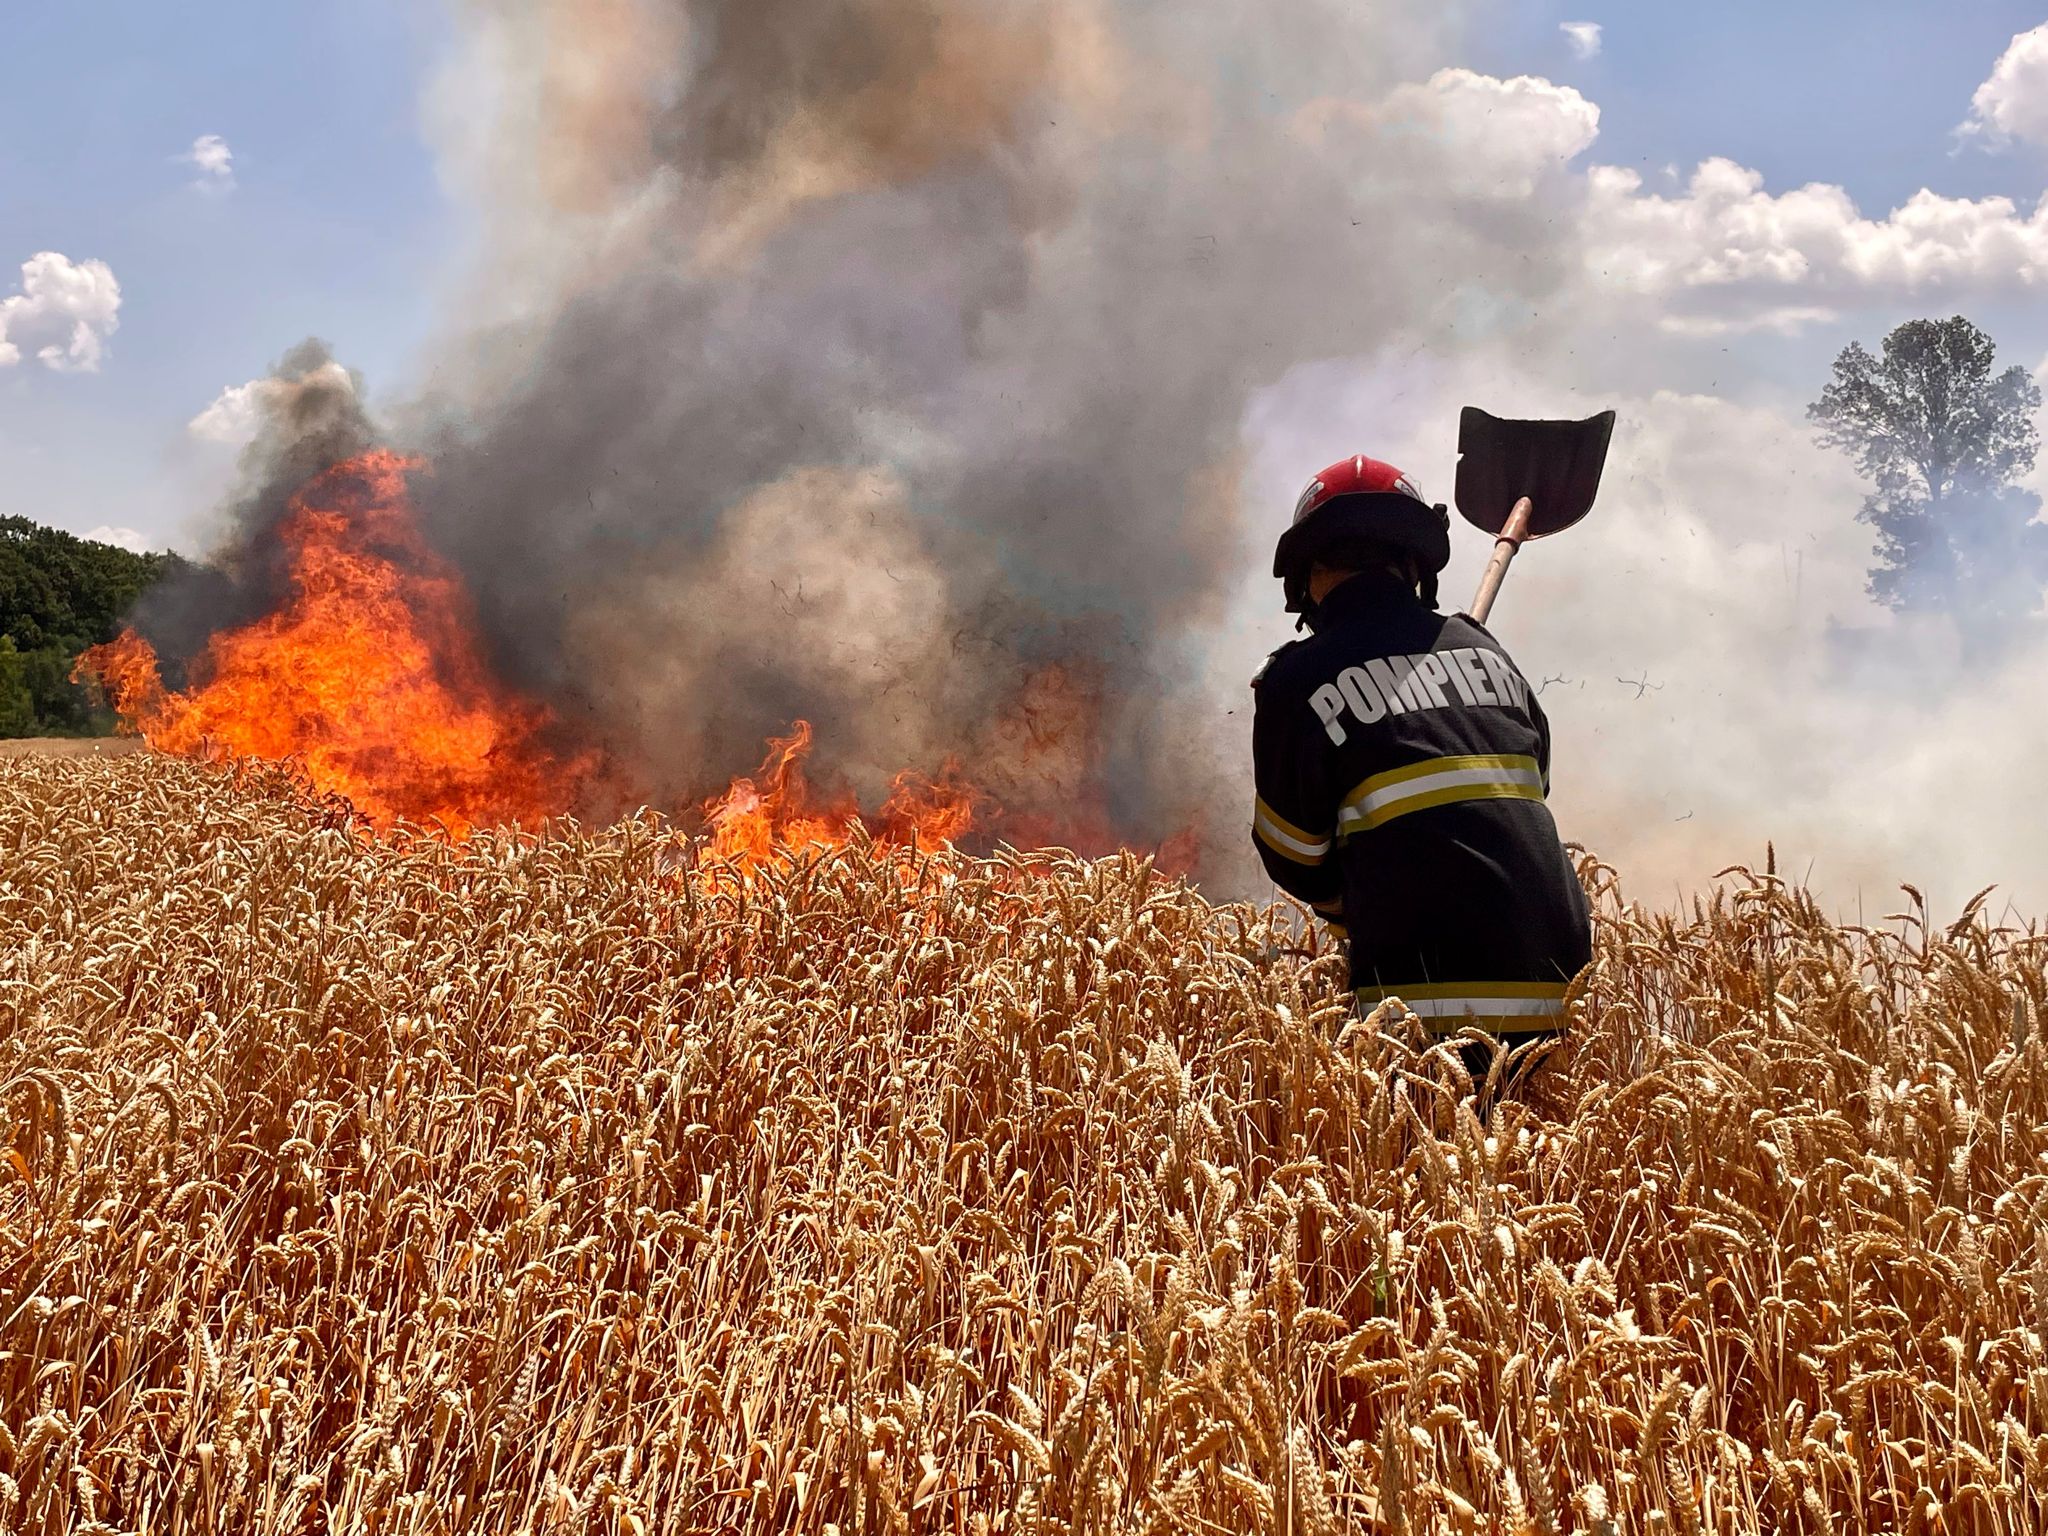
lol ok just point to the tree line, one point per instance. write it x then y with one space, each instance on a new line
60 594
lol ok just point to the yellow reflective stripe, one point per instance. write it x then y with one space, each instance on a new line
1438 781
1282 824
1285 838
1428 766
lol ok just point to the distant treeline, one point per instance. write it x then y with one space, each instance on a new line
60 594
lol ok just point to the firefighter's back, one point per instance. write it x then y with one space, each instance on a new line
1456 890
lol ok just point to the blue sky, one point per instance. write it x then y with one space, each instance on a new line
1866 96
1862 93
337 225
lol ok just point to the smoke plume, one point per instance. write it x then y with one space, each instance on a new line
882 359
306 416
881 364
939 371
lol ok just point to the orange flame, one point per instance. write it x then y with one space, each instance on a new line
371 676
777 813
372 679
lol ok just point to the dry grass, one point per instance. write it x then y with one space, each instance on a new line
533 1189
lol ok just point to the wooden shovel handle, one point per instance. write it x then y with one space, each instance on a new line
1511 536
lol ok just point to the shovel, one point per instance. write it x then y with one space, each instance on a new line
1520 480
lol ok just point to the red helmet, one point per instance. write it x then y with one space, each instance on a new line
1357 501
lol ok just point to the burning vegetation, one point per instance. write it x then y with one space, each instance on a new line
370 676
776 810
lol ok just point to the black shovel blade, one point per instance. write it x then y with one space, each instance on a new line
1556 464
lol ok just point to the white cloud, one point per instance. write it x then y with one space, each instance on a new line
238 412
214 162
121 538
233 416
1718 252
2013 103
63 314
1728 243
1464 132
1584 37
1520 126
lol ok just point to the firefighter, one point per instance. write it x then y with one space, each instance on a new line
1402 764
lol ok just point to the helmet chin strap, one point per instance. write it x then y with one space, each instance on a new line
1307 608
1298 599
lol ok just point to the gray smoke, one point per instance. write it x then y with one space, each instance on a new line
858 360
885 364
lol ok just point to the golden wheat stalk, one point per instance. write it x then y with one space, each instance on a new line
533 1185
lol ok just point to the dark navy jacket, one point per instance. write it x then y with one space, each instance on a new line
1402 765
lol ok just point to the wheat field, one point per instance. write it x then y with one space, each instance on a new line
564 1186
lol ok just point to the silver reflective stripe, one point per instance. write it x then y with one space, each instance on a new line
1285 838
1484 1007
1498 1007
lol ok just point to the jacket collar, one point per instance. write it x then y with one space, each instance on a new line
1368 591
